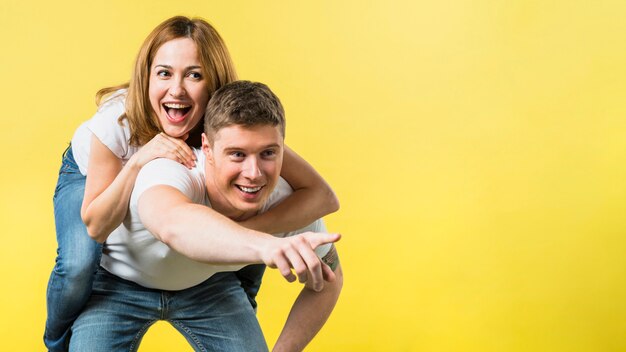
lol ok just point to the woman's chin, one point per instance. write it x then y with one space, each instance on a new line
176 132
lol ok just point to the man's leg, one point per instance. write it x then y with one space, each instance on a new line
116 317
251 277
216 316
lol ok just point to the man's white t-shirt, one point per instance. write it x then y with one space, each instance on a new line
133 253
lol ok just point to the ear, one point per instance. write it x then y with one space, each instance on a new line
207 148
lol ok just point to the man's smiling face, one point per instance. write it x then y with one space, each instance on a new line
242 168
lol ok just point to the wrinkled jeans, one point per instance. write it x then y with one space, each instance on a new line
78 257
213 316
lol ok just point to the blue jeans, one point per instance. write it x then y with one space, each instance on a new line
213 316
251 277
78 257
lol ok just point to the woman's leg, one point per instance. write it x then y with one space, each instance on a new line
78 257
117 315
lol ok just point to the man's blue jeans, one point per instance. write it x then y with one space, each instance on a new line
78 257
213 316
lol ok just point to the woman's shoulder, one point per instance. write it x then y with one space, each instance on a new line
111 109
105 124
116 100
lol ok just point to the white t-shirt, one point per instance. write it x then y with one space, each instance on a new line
133 253
104 125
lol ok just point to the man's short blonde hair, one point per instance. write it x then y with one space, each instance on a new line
243 103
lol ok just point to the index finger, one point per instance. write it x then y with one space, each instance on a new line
317 239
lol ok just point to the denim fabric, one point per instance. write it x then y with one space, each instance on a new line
213 316
251 277
78 257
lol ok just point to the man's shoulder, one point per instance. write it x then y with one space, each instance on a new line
168 172
163 169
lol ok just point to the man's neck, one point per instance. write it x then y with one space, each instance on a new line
220 205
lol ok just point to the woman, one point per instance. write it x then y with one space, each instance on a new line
157 114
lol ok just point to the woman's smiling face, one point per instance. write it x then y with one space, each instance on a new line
178 89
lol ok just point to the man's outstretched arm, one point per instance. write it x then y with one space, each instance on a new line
204 235
308 314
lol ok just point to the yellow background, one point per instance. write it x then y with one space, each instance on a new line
478 149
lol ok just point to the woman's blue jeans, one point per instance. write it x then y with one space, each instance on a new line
213 316
78 257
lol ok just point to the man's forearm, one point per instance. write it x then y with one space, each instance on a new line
308 315
197 231
202 234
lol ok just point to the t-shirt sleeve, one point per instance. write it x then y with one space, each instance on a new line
169 173
104 125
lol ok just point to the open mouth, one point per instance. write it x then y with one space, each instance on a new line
176 112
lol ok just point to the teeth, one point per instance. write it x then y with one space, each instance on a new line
176 106
250 189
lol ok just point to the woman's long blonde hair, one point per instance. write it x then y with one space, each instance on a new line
214 57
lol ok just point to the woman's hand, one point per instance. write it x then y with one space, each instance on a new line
164 146
110 183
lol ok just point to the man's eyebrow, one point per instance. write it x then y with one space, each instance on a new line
269 146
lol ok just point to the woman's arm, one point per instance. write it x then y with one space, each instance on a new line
109 183
107 190
312 199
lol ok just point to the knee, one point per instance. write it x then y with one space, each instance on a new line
78 268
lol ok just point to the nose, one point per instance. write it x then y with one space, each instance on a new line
251 169
177 89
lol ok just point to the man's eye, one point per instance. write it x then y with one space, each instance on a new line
269 153
237 155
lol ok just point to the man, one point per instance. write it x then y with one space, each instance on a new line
160 262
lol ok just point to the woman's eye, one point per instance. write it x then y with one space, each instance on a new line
163 73
195 75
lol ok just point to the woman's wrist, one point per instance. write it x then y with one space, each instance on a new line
134 163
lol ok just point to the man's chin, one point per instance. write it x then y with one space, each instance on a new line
247 205
250 207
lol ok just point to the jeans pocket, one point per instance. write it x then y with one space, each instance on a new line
68 163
